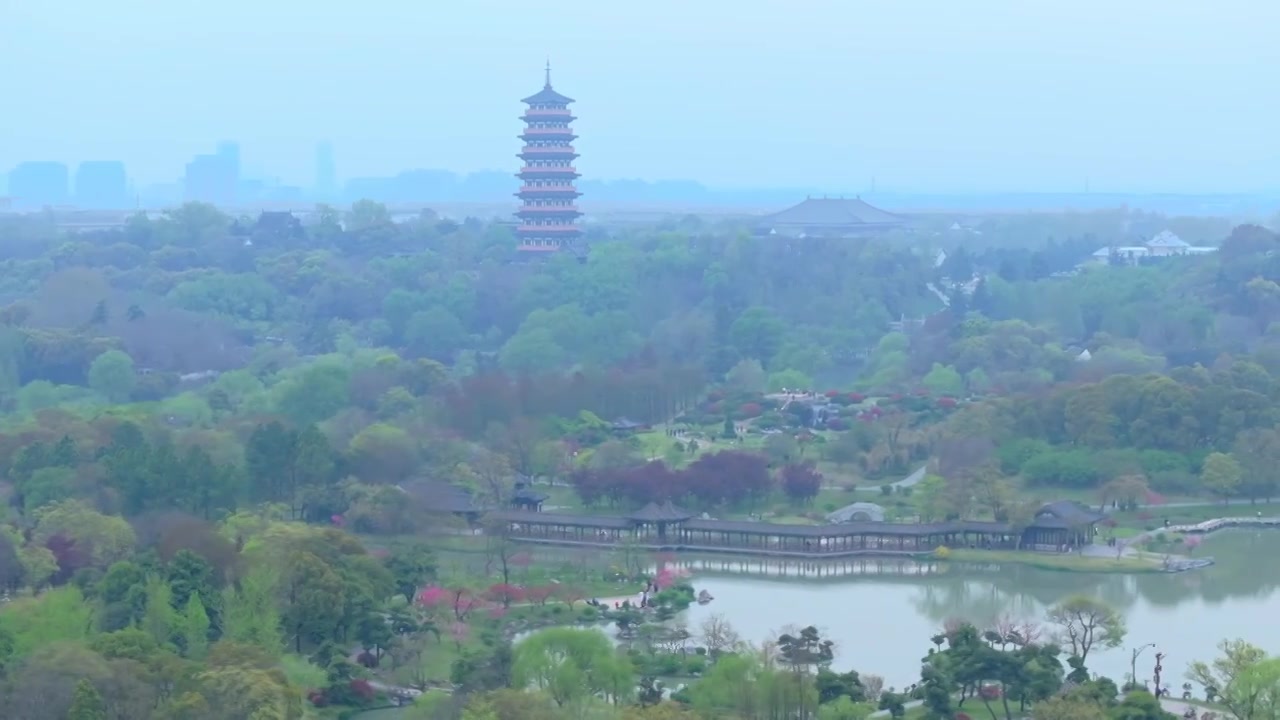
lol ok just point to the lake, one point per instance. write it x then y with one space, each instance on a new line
882 612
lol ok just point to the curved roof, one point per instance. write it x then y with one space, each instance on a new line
547 96
832 212
666 512
1167 239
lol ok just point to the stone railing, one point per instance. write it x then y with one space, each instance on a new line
1209 526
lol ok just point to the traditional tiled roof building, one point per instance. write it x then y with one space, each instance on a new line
829 217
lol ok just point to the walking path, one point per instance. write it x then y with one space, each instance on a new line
909 481
1177 707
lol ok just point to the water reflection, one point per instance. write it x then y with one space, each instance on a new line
881 612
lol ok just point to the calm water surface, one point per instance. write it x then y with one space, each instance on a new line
881 613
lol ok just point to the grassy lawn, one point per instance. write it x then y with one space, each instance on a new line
1153 517
1060 562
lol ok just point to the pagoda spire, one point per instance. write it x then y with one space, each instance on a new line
548 214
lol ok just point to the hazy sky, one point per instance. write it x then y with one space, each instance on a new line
926 95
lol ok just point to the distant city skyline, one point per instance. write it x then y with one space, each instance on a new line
925 96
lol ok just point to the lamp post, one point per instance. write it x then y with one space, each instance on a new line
1133 663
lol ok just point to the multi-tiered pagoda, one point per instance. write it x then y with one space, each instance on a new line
549 211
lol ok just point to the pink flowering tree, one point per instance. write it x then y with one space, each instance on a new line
464 602
432 600
1191 542
669 576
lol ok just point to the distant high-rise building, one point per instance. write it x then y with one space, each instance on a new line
229 151
215 178
549 212
102 185
326 172
39 184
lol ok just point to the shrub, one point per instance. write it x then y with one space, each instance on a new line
362 690
750 410
886 489
942 552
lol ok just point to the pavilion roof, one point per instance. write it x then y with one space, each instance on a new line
665 512
440 496
547 96
525 494
1066 514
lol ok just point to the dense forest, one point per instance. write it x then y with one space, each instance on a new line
222 437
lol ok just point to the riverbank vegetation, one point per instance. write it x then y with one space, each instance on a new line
231 446
1014 669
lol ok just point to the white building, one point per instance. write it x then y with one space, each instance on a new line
1164 244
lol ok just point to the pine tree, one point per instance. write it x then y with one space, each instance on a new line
159 619
87 704
195 628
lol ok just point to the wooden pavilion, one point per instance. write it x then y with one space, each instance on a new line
1062 524
666 526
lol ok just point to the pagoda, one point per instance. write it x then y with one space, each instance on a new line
548 212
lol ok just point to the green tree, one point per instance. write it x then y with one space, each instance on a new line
1139 705
159 620
109 537
314 393
87 704
572 665
412 568
805 652
195 628
944 380
250 613
58 615
1258 452
532 351
1220 474
747 376
112 375
790 380
1085 623
1243 679
758 333
383 452
435 333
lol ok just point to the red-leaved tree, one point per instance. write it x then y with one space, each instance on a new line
800 482
504 594
540 594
